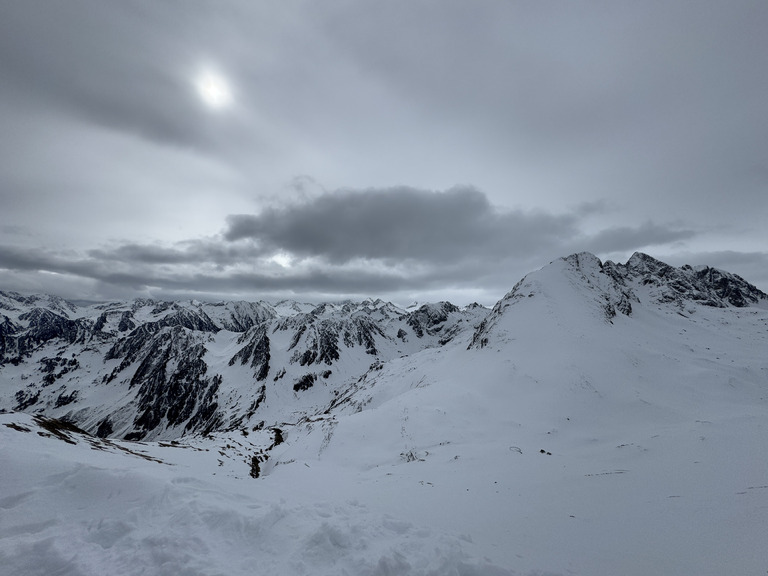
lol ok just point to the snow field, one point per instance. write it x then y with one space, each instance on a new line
73 511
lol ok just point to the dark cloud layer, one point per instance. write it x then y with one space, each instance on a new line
351 243
626 238
401 224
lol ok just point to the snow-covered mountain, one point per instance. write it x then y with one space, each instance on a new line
602 418
159 370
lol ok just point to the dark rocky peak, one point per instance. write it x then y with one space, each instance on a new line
387 311
298 322
649 269
371 306
320 342
430 318
64 307
173 386
585 261
131 346
101 322
348 307
702 285
161 307
7 343
35 328
139 341
126 322
319 310
362 330
728 287
256 351
44 325
7 326
196 320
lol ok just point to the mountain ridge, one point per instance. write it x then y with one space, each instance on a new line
179 368
164 354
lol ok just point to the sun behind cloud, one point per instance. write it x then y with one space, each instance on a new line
214 90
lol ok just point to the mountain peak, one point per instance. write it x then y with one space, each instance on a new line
702 284
581 289
585 260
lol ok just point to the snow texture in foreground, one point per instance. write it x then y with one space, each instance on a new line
90 508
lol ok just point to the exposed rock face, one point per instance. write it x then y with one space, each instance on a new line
255 352
173 387
163 369
431 318
703 285
7 341
44 325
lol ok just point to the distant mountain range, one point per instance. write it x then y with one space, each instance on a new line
158 370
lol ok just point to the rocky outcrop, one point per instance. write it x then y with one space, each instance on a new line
431 318
701 285
8 342
255 352
173 386
42 326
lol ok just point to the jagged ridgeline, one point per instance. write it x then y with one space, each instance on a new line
159 370
607 289
146 369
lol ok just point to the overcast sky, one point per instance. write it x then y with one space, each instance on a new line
409 150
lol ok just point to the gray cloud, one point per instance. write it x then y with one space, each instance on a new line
199 251
148 272
627 238
393 241
401 223
75 58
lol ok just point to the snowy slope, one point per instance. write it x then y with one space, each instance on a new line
603 419
653 426
88 506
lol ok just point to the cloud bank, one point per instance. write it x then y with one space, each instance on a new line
393 242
